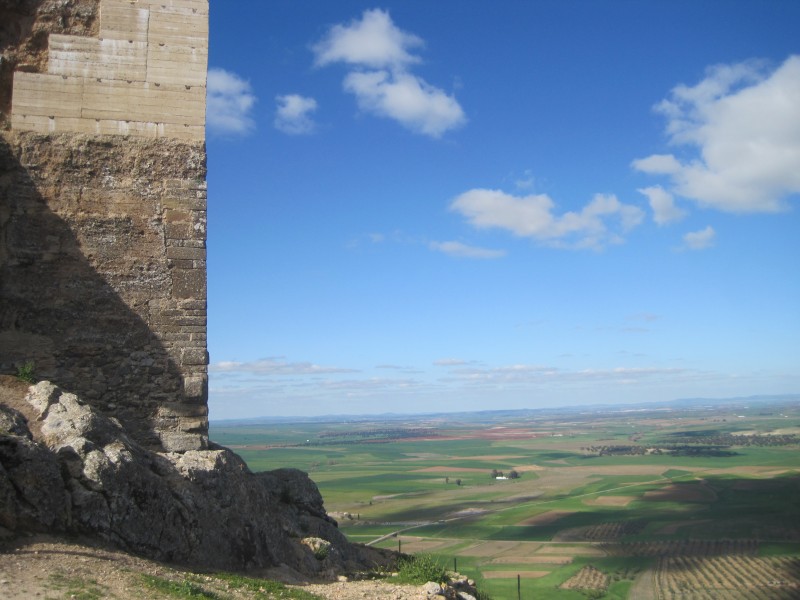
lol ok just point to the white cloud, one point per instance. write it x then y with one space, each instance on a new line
292 115
229 102
699 240
460 250
663 205
407 99
534 375
381 81
741 129
451 362
274 367
658 164
374 42
533 216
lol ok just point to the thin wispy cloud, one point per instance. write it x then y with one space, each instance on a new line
739 129
700 240
525 375
274 367
381 55
526 182
230 100
600 223
460 250
293 114
451 362
644 316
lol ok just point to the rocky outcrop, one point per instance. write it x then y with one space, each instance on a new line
66 467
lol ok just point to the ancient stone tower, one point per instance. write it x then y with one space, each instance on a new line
103 207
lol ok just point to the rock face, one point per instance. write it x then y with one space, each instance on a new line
75 470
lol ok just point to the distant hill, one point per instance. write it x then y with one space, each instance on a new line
502 415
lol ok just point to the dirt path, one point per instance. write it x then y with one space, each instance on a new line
644 586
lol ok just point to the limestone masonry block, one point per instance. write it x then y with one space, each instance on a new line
145 75
91 57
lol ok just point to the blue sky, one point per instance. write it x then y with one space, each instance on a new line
458 205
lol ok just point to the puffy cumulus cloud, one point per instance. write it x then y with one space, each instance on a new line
741 129
700 240
460 250
663 205
292 115
407 99
374 41
382 83
598 224
230 100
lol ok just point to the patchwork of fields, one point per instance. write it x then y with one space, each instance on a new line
691 502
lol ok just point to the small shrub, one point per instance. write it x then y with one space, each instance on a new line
25 372
420 569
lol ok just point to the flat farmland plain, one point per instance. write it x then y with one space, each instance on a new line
693 500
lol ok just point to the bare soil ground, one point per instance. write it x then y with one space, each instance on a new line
513 574
536 559
504 548
50 568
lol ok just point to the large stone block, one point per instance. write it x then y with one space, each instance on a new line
188 283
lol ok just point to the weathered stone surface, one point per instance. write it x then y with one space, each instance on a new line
82 474
32 494
87 291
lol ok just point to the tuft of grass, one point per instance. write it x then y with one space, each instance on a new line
77 588
178 589
420 569
25 372
264 588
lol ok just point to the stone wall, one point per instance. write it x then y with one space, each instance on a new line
144 75
103 208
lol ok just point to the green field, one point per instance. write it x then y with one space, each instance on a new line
696 501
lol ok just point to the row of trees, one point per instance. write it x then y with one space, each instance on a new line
512 474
